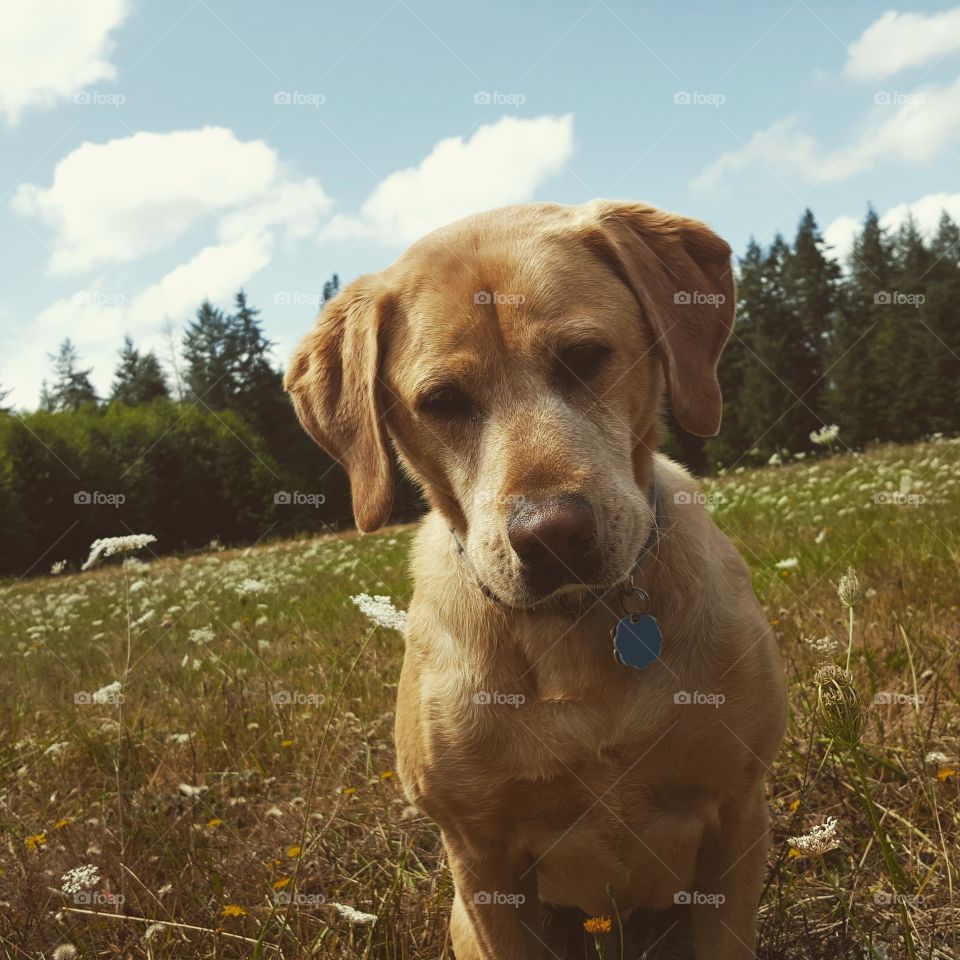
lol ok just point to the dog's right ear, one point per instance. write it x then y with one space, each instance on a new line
334 382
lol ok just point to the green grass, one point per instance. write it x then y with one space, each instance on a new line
317 773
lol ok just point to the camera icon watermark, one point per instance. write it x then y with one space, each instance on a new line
85 698
295 498
891 899
898 98
95 498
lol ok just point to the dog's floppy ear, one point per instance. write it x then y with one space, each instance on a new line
334 382
679 271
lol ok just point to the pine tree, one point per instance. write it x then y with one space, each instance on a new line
811 279
72 388
941 314
856 395
208 353
331 288
139 378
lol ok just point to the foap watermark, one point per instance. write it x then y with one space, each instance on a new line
295 898
295 498
698 298
698 498
698 98
298 98
694 698
699 898
96 498
898 499
98 898
497 98
494 898
97 98
495 698
299 298
898 98
884 899
897 298
893 696
86 698
285 698
99 298
498 297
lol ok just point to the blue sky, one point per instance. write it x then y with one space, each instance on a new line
153 154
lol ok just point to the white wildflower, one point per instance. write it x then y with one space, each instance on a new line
937 757
821 839
165 889
251 586
791 563
108 546
820 537
848 589
66 951
188 790
823 646
56 570
381 611
140 621
152 931
111 693
352 914
825 435
179 737
201 634
80 878
55 749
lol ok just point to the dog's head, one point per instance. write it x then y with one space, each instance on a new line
517 361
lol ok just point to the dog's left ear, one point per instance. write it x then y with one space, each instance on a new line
334 381
679 271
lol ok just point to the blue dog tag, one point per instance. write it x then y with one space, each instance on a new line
637 640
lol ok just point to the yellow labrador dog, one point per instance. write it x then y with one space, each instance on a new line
591 695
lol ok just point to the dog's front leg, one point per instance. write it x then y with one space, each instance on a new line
730 869
496 915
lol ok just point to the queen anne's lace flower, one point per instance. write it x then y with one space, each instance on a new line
818 841
108 546
80 878
381 611
352 914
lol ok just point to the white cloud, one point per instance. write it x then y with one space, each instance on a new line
52 49
926 212
503 162
911 129
898 41
111 203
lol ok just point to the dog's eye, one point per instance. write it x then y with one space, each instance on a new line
581 363
448 403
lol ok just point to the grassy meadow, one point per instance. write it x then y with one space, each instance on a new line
234 796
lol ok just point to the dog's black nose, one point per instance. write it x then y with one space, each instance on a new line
553 538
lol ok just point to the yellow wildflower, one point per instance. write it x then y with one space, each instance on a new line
37 841
946 773
233 910
281 883
597 925
214 822
61 823
294 851
286 743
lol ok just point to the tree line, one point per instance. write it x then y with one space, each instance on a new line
208 447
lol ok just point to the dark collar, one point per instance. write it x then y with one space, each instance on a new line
650 547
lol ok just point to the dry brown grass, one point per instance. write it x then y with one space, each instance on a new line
318 775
